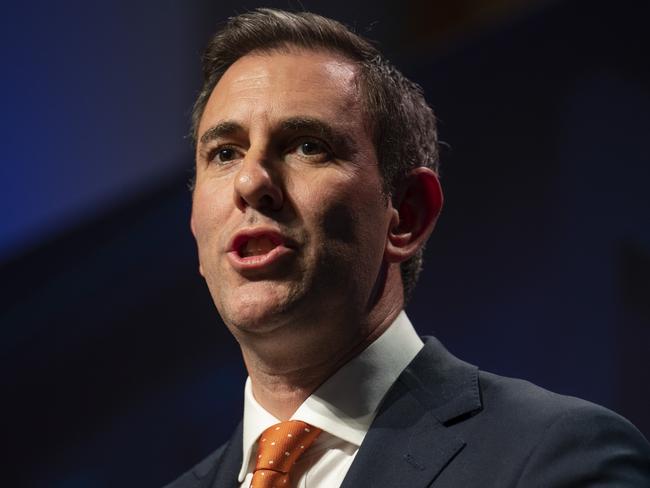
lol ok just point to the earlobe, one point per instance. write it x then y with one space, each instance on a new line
415 214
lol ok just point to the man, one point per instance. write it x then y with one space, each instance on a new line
316 189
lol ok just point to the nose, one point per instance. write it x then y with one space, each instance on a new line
256 184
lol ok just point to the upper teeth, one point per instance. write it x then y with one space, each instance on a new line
257 246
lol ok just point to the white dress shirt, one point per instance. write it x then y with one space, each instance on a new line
343 407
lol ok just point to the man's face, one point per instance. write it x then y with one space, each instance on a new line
288 211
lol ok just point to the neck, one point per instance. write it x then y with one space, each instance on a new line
285 371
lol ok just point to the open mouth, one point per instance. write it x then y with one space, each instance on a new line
256 246
258 249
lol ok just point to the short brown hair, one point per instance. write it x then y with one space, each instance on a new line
403 125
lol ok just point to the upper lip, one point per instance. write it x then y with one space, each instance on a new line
243 236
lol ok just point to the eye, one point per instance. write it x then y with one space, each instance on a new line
310 148
222 155
314 150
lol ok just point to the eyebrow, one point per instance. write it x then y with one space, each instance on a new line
222 129
342 142
295 124
309 124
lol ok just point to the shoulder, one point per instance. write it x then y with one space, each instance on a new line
522 399
531 407
558 440
194 476
569 435
515 433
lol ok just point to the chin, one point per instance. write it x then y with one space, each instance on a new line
257 308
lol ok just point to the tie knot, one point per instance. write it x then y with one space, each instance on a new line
282 444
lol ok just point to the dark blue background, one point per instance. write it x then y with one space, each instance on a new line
116 368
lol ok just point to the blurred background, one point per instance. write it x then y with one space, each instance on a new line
116 370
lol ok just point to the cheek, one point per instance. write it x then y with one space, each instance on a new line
347 214
340 223
205 216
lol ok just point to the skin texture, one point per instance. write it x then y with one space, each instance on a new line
284 147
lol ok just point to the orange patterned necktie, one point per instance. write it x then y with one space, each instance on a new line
278 449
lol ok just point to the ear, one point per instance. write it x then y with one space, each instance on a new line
193 229
415 213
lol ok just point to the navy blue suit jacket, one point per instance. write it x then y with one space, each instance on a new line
446 424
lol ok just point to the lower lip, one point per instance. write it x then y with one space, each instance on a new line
259 262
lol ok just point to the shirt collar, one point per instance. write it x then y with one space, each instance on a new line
345 405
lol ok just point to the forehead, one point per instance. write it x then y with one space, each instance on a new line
279 84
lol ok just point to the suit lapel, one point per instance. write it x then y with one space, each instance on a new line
408 443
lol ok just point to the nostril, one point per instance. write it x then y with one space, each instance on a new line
267 202
255 186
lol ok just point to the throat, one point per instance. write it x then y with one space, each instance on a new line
278 398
